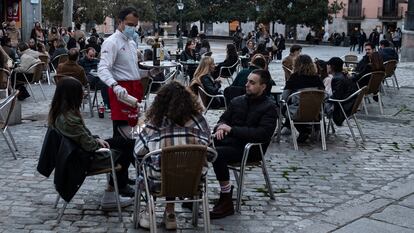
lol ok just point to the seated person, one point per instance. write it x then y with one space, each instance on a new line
203 78
249 118
295 51
304 76
42 49
322 69
387 53
174 118
247 51
231 59
342 87
238 87
187 55
72 68
90 63
60 46
93 42
27 59
205 47
372 61
64 116
8 49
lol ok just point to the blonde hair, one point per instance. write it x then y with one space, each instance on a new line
202 69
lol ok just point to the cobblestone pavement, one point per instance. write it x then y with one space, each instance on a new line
348 188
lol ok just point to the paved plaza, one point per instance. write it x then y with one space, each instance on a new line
346 189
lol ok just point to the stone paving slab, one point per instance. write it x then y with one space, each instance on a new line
372 226
397 215
316 191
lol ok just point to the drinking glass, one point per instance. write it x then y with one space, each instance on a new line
132 121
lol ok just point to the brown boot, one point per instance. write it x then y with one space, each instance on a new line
224 207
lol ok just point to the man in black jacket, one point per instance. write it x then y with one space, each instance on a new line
249 118
387 52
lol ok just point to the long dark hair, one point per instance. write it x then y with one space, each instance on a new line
187 49
175 102
67 98
232 52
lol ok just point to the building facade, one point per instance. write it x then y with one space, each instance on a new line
24 12
382 15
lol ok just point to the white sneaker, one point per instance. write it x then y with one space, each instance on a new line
108 201
144 219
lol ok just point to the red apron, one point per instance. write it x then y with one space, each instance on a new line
119 110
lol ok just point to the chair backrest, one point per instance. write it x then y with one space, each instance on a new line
4 78
181 170
310 105
146 82
44 58
390 67
58 77
229 69
287 71
351 58
360 96
37 71
6 109
375 82
207 54
203 94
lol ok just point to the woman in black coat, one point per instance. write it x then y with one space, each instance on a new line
231 59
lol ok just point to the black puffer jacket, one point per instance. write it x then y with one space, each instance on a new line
252 120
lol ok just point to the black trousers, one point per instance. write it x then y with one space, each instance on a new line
229 152
126 149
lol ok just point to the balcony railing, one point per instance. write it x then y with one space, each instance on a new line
394 14
354 13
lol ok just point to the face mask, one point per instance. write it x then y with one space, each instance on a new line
129 31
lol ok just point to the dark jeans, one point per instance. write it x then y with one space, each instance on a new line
229 152
95 82
126 148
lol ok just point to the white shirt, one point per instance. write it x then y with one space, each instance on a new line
119 61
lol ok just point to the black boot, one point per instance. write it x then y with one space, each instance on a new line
224 207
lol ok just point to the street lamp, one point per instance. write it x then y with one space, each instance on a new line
180 6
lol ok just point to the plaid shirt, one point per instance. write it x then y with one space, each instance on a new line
195 131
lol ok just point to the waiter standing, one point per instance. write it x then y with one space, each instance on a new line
118 69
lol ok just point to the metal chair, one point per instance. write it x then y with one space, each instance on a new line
37 69
46 70
5 82
309 112
357 102
350 59
239 171
230 70
113 169
57 60
390 67
146 87
6 109
287 71
207 99
168 77
374 85
181 175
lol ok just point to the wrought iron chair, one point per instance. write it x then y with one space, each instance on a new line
207 99
357 102
390 67
309 112
37 69
180 177
227 72
374 85
239 172
110 170
6 109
